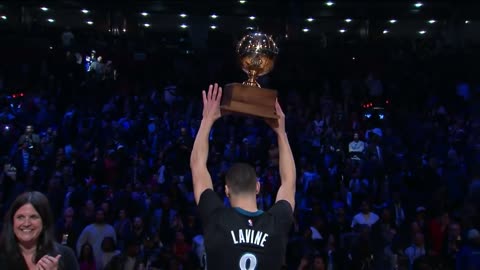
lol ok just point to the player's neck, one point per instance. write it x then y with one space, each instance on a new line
247 203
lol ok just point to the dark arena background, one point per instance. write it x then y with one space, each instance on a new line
382 112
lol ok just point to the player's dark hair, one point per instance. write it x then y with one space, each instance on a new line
241 178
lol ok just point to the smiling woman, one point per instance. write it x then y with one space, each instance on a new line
27 239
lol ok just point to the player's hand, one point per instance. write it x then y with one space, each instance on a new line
278 124
211 103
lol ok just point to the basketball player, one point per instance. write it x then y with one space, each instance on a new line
242 237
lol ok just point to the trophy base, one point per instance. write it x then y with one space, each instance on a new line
248 100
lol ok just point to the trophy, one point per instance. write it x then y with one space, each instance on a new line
256 53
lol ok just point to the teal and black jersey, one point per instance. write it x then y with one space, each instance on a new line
238 239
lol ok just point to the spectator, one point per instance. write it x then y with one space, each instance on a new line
123 227
365 217
94 234
67 38
416 250
108 251
68 229
86 258
27 239
127 260
356 147
469 256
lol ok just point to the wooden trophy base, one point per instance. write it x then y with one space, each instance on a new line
248 100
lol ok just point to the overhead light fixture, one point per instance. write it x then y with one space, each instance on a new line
310 19
348 20
146 25
392 21
385 31
89 22
144 14
342 31
329 3
50 20
252 18
214 16
183 26
183 15
467 21
4 17
418 4
85 11
422 32
213 27
44 8
242 1
432 21
306 30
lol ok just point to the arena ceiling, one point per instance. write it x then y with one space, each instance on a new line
307 18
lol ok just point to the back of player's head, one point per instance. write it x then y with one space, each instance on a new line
241 179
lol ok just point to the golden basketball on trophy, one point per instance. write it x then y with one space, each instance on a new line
256 54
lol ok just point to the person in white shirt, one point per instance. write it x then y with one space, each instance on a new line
94 234
365 217
416 250
356 147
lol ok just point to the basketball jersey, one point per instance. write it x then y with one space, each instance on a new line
238 239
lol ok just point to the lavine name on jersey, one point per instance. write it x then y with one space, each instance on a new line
248 236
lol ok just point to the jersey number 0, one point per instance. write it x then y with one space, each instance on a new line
248 261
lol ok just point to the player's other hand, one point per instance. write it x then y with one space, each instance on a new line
277 124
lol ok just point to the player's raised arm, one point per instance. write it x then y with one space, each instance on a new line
287 164
198 159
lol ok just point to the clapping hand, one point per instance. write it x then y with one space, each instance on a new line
48 263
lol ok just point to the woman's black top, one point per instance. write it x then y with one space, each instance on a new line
68 260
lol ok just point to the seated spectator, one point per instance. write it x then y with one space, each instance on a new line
416 250
129 259
68 229
356 148
469 255
94 234
123 227
365 217
181 249
108 251
316 263
86 258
